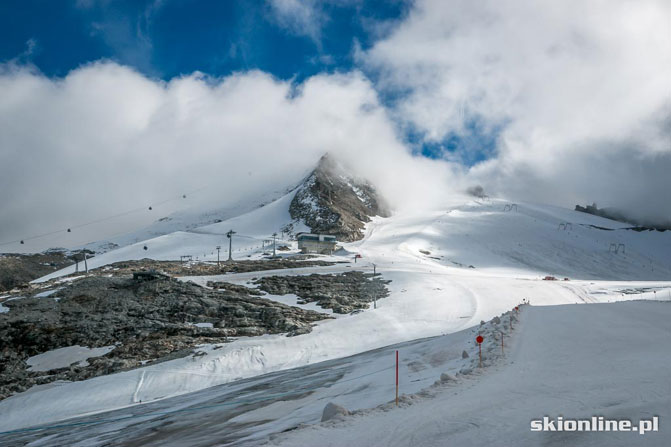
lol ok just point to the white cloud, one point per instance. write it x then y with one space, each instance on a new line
572 82
301 17
106 139
551 67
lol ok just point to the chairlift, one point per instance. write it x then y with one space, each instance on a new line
69 230
146 248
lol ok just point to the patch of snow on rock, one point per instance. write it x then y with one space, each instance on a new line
47 293
64 357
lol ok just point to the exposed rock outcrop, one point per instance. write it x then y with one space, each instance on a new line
330 201
177 268
147 320
16 270
342 293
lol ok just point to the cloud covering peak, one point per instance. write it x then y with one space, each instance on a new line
560 102
105 139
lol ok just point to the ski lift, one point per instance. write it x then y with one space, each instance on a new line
145 247
69 230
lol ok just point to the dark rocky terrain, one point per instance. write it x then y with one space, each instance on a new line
331 201
147 320
17 270
177 268
342 293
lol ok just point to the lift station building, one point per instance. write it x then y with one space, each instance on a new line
324 244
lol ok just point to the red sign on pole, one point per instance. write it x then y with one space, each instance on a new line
479 339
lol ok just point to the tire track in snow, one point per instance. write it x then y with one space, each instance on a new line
135 399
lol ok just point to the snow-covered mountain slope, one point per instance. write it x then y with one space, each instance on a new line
200 243
500 237
525 238
433 291
328 200
571 361
286 399
184 220
604 366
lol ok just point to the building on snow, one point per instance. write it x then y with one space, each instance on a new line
323 244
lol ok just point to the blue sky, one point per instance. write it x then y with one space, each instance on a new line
170 38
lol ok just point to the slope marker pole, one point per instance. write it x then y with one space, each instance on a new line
479 339
397 378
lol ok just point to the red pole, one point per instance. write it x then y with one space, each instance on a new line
397 378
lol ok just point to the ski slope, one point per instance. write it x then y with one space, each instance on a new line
604 366
282 400
526 240
434 291
613 362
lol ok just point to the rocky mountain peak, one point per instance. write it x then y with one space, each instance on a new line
331 201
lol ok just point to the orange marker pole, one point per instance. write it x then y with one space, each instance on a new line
397 378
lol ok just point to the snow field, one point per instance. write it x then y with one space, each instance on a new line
575 361
433 291
361 382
